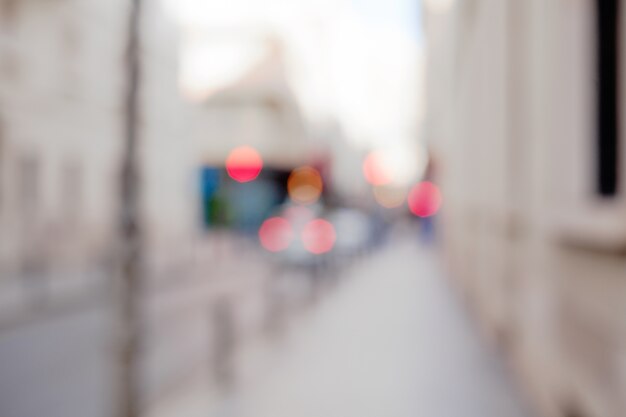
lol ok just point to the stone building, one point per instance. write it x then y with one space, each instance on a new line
260 110
61 105
525 105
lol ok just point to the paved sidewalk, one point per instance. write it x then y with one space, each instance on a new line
391 340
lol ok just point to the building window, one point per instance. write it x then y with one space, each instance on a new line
28 187
8 12
607 158
71 192
2 165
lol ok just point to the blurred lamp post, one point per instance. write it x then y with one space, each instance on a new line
127 297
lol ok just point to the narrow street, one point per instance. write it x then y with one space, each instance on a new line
312 208
390 339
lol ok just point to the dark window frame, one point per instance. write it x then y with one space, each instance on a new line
607 117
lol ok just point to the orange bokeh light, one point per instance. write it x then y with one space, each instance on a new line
276 234
318 236
375 169
244 164
425 199
305 185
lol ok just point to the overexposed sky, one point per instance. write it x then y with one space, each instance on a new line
355 61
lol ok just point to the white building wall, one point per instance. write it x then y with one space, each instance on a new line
511 115
62 103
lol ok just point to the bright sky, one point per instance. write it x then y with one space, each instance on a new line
405 14
355 61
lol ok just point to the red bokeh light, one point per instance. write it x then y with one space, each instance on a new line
424 199
375 170
244 164
318 236
276 234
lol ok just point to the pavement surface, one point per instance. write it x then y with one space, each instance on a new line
385 337
390 339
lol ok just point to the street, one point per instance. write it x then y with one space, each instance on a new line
390 339
387 336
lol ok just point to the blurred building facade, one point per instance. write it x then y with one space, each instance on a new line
49 161
260 110
525 101
62 110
